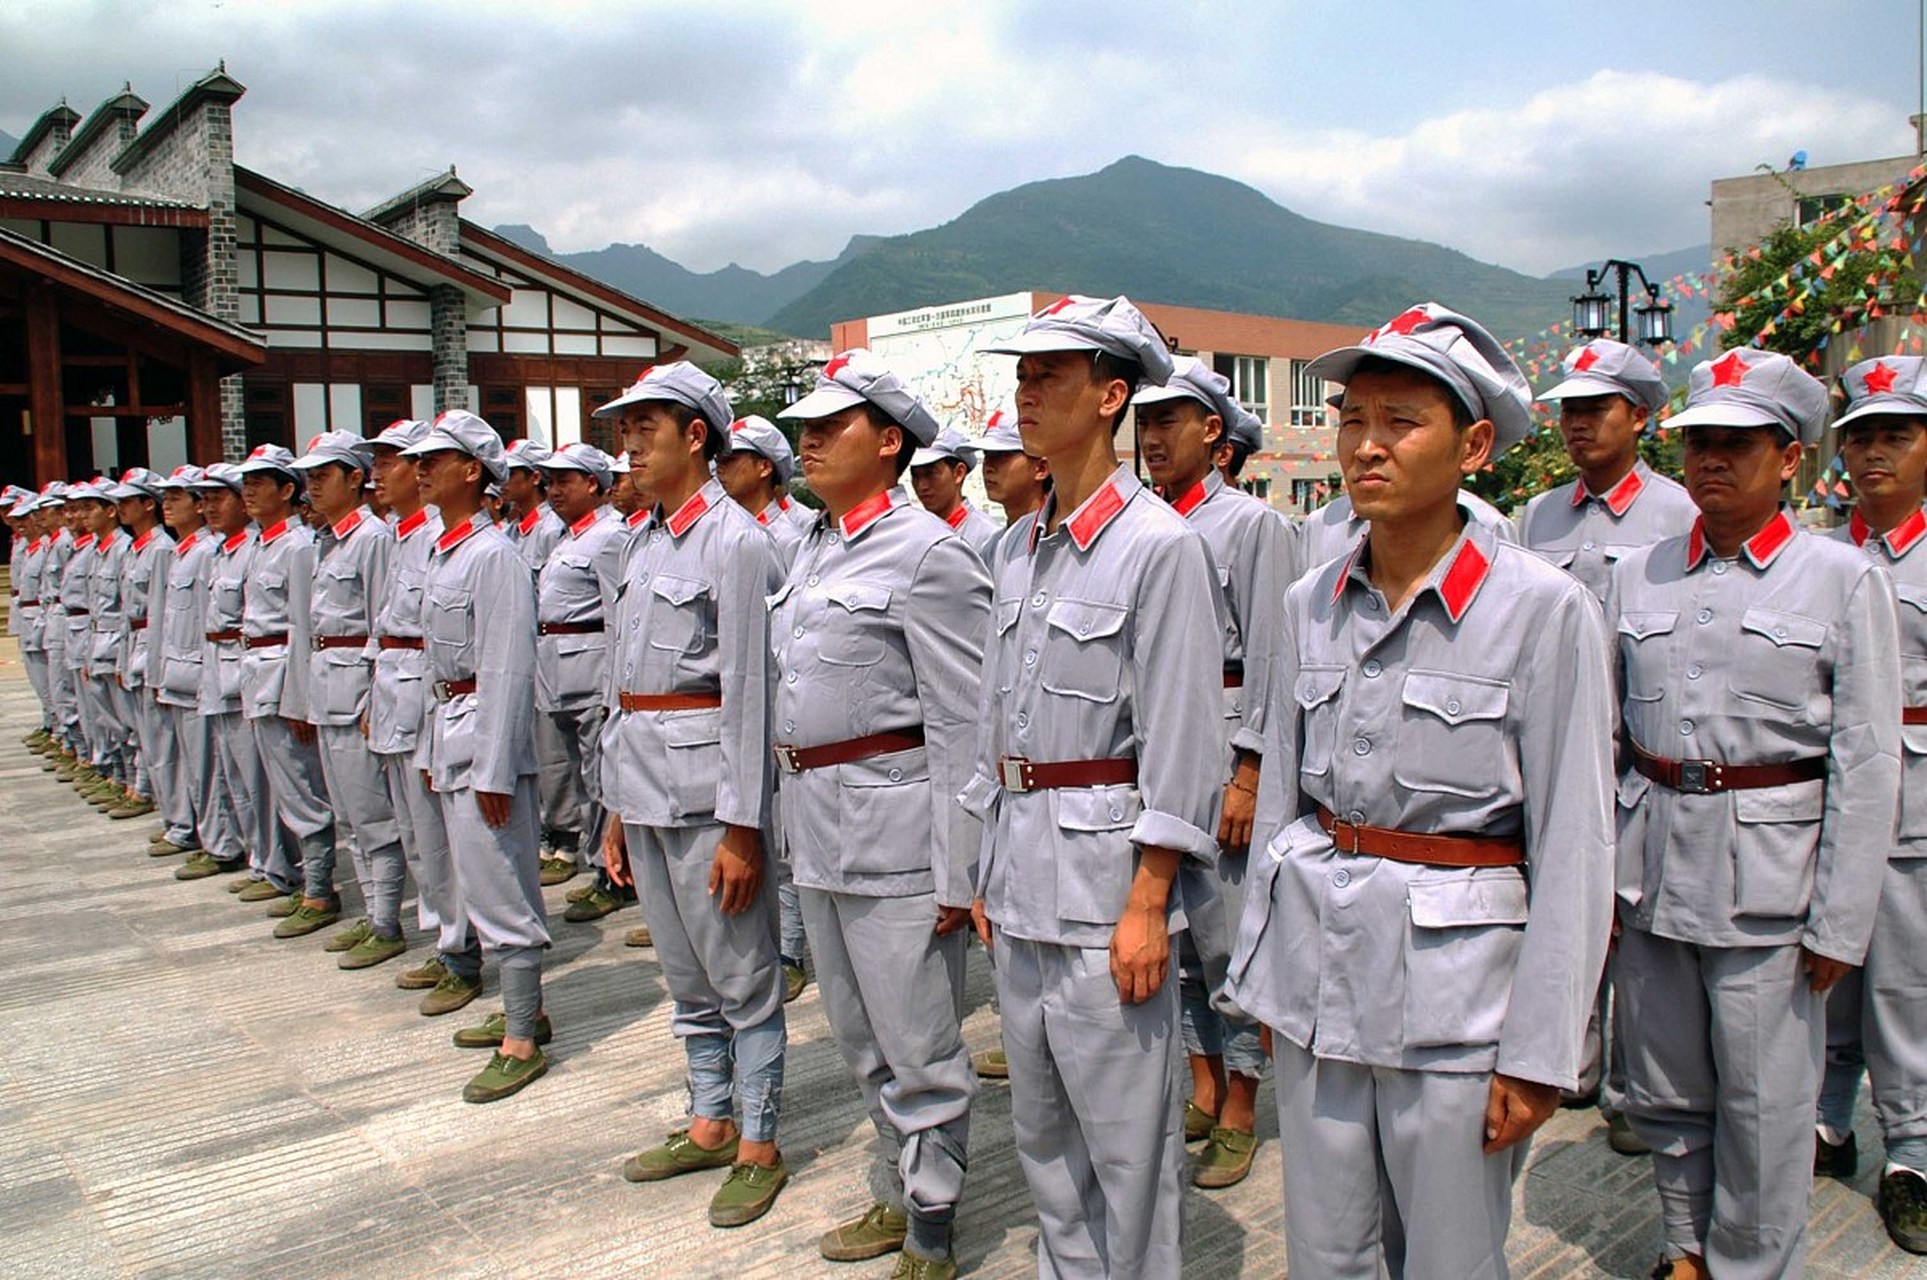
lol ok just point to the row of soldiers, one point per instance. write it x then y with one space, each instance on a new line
878 730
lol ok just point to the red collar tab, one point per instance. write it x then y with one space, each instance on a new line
528 522
1345 575
276 530
235 542
140 543
1096 514
865 513
956 518
350 522
635 518
782 502
83 542
1460 585
412 523
1621 497
1899 540
762 517
688 513
1193 499
1762 549
462 532
192 539
103 545
38 543
581 526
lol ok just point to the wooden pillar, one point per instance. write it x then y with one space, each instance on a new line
203 409
43 387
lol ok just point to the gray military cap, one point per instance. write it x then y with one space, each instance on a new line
856 377
678 383
182 477
584 457
1892 386
1079 323
219 475
343 447
1603 367
758 435
1458 352
1000 433
1752 388
526 454
1193 379
271 458
401 433
459 431
950 444
136 482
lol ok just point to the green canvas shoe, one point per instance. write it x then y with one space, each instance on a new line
504 1076
423 977
495 1027
594 905
286 905
558 871
880 1230
351 937
639 938
304 920
451 993
912 1266
135 807
747 1194
679 1155
1225 1160
201 866
259 891
371 951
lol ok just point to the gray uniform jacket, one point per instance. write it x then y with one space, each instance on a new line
1788 652
1481 707
398 693
143 594
268 610
1586 534
107 615
53 575
690 617
353 572
1333 531
77 600
879 627
1899 552
478 623
227 581
788 524
1252 552
183 624
975 528
535 536
32 580
571 671
1104 644
16 573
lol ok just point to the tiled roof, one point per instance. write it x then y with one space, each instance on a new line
26 186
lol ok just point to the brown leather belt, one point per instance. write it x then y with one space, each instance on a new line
569 628
75 613
267 641
138 624
1913 715
30 604
338 642
399 642
1234 675
1423 849
1019 774
1709 777
668 701
222 637
446 689
802 759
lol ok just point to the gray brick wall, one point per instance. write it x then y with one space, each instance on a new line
450 313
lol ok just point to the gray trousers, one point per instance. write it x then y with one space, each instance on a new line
298 795
357 789
558 781
35 661
893 992
1095 1103
1877 1017
722 971
424 841
240 781
1384 1169
128 709
216 826
106 738
1723 1057
498 877
167 769
66 703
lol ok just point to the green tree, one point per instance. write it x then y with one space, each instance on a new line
1799 316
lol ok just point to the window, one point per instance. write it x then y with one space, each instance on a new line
1250 378
1307 396
1810 209
1258 487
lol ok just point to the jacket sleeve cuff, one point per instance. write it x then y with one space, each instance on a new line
979 797
1248 739
1168 831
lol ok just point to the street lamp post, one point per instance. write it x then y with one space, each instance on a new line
1650 322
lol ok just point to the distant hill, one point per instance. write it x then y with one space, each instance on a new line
733 293
1171 235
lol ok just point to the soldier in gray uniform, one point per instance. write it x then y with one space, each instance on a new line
397 700
571 650
97 533
30 580
878 639
688 779
755 471
195 821
351 578
937 471
1013 479
1098 770
272 704
1425 928
1877 1016
142 587
1179 426
60 677
478 742
1760 771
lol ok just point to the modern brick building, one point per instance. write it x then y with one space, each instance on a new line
161 303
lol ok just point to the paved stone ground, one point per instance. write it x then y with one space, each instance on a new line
182 1095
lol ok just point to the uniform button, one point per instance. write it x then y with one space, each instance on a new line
798 633
1719 566
1590 545
1341 878
1037 601
1373 668
1371 602
1705 616
1361 747
1780 632
789 726
896 775
790 678
1693 672
1452 706
1238 704
1030 657
1084 629
810 581
1023 719
641 578
1117 814
1685 728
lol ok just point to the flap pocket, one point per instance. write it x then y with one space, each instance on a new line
1318 685
1643 625
693 728
1795 802
1912 594
677 591
1098 808
1008 612
1633 787
858 595
1913 739
1784 629
1468 903
1456 699
1087 620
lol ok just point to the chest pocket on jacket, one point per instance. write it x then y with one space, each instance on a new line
338 582
1084 650
1777 661
680 623
446 618
855 623
1645 663
1452 736
1316 693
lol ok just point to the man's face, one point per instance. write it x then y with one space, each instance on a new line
660 452
520 490
625 497
573 494
225 510
840 454
396 484
939 485
1738 473
1060 401
1886 456
1398 448
1175 439
268 495
132 512
1601 432
746 476
1014 477
179 509
102 519
334 490
448 476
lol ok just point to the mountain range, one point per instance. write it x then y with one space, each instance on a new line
1155 231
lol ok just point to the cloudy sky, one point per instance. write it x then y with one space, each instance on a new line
1536 135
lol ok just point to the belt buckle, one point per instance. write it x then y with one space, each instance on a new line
314 643
786 758
1339 827
1694 777
440 688
1014 772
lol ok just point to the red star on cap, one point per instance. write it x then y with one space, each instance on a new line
738 425
1730 371
836 366
259 450
996 420
1880 379
1057 306
1405 323
314 444
1587 359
